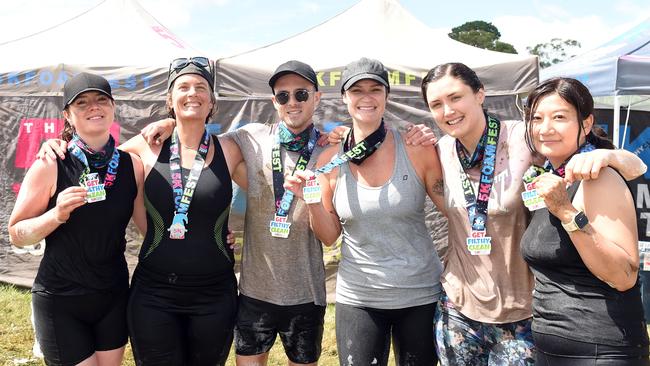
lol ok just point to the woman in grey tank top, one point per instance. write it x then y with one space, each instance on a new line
373 190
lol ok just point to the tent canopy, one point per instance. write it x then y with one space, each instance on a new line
619 67
380 29
118 39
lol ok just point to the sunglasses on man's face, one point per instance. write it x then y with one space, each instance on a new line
301 95
180 63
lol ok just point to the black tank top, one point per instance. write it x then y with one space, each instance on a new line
86 254
569 301
203 256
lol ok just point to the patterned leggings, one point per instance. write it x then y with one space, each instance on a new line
462 341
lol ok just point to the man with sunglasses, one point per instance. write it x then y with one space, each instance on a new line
282 278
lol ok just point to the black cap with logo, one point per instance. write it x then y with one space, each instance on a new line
294 67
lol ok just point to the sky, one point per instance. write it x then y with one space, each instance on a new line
225 27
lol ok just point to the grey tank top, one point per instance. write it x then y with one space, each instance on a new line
388 258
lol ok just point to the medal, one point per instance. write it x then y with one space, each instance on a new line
531 198
311 192
279 227
478 243
177 229
95 188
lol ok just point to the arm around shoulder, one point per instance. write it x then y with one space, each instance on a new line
139 212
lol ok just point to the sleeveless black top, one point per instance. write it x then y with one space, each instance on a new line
203 257
569 301
86 254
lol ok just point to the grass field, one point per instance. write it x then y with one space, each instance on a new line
16 337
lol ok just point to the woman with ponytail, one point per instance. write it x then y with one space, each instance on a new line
581 247
81 206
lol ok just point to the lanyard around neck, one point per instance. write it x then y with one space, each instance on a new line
183 193
283 198
477 205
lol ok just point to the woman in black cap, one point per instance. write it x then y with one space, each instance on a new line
373 189
183 294
81 206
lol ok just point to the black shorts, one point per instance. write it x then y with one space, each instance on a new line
300 328
70 329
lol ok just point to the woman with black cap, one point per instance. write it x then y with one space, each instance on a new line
184 293
388 277
81 206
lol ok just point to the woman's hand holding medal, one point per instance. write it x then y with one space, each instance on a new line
67 201
303 184
552 189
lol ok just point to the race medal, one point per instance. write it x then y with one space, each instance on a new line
478 243
311 192
177 229
279 227
531 198
95 188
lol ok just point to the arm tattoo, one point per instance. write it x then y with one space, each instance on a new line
438 187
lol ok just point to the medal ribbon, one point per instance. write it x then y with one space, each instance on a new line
373 141
535 170
283 198
477 205
586 147
359 152
183 193
98 159
466 161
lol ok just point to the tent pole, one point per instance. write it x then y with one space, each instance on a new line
617 120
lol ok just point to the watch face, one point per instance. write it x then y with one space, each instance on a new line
581 220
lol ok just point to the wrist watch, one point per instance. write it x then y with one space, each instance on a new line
578 222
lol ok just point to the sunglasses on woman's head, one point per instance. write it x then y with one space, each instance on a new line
180 63
301 95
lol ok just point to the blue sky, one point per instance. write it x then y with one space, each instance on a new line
225 27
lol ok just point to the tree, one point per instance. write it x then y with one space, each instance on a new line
481 34
555 51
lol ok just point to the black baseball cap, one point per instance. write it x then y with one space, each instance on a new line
82 83
294 67
364 68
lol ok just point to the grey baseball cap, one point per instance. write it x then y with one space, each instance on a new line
364 68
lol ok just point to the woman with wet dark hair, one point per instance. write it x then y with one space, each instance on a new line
582 247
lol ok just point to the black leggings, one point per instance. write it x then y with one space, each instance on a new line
363 335
559 351
181 326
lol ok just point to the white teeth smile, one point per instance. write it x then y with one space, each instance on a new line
366 108
192 104
454 121
293 112
95 117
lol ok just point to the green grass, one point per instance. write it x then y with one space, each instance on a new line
16 337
